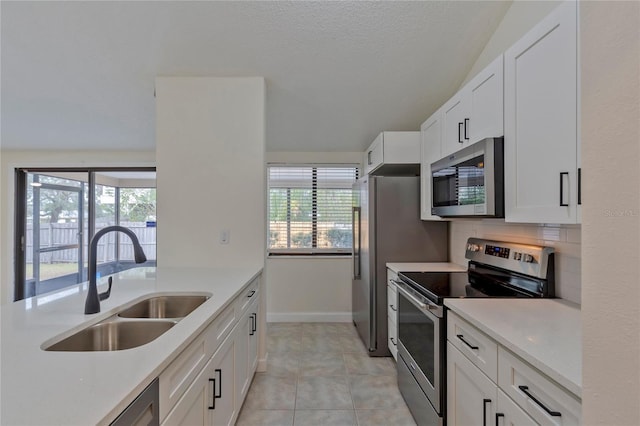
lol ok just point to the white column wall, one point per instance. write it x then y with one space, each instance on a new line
210 150
610 125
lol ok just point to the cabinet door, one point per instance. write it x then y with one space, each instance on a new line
253 341
471 396
509 414
540 125
374 155
430 151
193 408
222 384
486 102
454 113
242 348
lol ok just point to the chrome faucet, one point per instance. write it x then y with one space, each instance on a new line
92 304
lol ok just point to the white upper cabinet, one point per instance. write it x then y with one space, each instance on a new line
391 150
476 111
430 151
540 127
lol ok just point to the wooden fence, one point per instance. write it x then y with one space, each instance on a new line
60 234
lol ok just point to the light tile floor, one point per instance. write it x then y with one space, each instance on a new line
320 374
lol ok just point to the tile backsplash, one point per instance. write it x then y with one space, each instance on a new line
565 239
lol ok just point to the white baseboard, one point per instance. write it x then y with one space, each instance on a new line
309 317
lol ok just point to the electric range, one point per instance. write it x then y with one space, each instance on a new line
495 269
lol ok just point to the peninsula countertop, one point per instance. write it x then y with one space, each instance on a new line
81 388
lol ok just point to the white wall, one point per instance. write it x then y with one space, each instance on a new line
565 239
520 18
210 151
309 288
14 159
610 71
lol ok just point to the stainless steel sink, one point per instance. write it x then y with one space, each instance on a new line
112 336
172 306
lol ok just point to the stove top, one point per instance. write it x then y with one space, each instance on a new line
496 269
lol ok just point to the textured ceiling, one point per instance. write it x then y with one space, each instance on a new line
80 75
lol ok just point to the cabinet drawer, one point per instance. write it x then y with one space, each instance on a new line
544 400
478 347
392 337
248 295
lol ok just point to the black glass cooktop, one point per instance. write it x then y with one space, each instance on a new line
439 285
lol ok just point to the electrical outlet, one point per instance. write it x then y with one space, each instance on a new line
225 236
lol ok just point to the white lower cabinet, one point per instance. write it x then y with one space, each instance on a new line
471 396
518 394
216 394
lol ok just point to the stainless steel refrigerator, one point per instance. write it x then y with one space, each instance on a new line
387 228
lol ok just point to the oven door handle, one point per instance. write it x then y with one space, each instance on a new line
424 306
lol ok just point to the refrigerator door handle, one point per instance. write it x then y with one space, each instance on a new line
355 216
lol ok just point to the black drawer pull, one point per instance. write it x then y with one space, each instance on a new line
484 411
393 341
213 383
393 308
525 390
251 293
461 337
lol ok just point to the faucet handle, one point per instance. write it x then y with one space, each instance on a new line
107 293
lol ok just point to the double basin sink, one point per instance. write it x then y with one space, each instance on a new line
132 326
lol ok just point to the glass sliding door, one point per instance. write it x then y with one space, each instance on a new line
54 250
59 210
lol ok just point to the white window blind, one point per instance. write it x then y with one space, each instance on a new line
310 208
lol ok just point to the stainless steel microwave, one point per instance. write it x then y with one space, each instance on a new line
470 182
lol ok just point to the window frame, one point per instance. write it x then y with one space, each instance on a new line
314 250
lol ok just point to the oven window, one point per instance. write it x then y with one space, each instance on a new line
416 332
459 185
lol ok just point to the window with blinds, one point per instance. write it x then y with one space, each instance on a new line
310 209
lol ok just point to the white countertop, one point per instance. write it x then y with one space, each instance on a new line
83 388
547 333
425 267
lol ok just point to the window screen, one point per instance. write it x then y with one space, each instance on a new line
310 209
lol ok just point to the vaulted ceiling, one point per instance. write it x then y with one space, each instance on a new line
80 75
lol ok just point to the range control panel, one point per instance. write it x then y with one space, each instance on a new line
523 258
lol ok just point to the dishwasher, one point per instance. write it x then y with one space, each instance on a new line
144 410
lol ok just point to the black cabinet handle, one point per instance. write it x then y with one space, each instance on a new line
219 395
484 411
251 293
579 186
498 415
460 133
213 388
525 390
466 125
252 325
562 203
461 337
369 162
393 308
393 341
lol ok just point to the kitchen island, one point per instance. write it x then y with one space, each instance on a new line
44 387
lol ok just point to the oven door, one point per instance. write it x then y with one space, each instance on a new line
419 332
